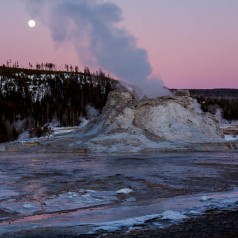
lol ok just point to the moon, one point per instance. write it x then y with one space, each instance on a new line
31 23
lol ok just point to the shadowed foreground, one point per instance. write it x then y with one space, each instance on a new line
66 195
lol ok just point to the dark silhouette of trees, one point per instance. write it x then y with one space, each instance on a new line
229 106
31 98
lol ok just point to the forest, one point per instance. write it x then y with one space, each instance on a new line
32 98
212 99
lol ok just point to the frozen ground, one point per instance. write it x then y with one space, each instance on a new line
89 194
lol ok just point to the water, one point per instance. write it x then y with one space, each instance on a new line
65 190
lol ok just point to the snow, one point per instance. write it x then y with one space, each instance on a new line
64 130
77 205
21 207
205 198
124 191
72 194
231 137
38 92
8 85
136 221
191 206
224 125
36 86
29 206
115 225
79 199
173 215
23 136
83 122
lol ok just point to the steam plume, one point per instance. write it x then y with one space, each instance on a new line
93 28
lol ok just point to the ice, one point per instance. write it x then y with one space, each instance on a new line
135 222
21 208
205 198
109 228
29 206
72 194
67 190
173 215
115 225
124 191
64 130
193 213
81 199
231 137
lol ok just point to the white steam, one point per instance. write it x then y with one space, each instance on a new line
92 26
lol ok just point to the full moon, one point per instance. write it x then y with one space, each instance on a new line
31 23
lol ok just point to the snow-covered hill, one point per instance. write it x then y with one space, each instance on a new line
40 85
31 99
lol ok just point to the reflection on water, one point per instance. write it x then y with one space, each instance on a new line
67 189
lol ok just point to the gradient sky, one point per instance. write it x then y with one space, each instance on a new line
190 43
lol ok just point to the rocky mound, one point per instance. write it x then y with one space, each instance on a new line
128 122
131 125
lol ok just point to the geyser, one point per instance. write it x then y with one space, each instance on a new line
93 28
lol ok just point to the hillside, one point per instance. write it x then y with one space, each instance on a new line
32 98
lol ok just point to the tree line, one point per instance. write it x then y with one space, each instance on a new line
48 66
224 98
229 106
29 99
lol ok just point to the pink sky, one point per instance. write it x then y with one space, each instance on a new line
190 43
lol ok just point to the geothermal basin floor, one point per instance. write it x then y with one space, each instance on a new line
68 195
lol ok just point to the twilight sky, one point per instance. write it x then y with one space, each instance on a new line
190 43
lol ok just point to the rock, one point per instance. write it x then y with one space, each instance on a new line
128 121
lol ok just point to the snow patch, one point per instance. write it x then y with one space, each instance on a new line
64 130
231 137
205 198
125 191
83 122
23 136
115 225
29 206
81 199
173 215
